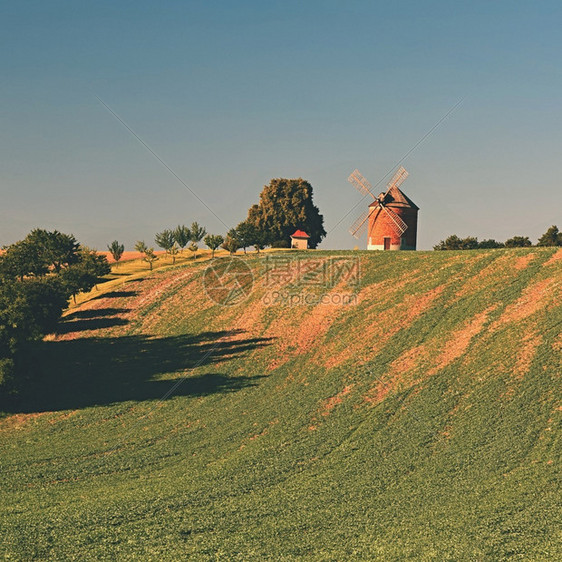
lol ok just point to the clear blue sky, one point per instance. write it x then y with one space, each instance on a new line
231 94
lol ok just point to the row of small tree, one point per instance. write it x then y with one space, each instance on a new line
552 237
175 241
38 275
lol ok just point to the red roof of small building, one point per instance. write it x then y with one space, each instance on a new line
300 234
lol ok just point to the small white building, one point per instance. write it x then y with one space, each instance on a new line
299 240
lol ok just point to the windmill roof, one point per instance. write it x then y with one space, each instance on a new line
396 198
300 234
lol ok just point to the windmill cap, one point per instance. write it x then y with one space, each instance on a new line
395 198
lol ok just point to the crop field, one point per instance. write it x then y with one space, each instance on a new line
420 421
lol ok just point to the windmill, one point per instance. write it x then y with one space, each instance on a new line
389 215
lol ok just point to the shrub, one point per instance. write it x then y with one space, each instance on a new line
518 242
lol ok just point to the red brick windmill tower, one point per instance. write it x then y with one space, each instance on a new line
392 217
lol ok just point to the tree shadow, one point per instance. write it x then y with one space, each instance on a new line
78 373
95 313
118 294
94 319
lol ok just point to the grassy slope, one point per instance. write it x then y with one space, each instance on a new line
421 424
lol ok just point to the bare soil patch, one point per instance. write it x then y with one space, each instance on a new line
330 403
526 353
493 272
555 258
397 374
534 298
381 328
459 341
524 261
302 329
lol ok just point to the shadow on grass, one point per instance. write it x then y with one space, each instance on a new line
94 319
85 372
95 313
118 294
91 324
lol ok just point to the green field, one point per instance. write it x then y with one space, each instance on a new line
422 423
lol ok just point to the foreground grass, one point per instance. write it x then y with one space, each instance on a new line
421 424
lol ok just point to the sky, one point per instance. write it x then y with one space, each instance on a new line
121 119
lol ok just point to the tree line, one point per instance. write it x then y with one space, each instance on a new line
285 205
172 241
175 241
552 237
38 276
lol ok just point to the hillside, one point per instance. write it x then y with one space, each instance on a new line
420 423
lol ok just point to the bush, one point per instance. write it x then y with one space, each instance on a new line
37 277
518 242
29 309
453 242
490 243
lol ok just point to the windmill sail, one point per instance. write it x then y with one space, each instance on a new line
360 183
358 227
398 179
398 224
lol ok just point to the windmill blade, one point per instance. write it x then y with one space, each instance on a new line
358 227
360 183
397 180
399 225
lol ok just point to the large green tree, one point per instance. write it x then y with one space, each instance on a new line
22 259
59 250
286 205
39 253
